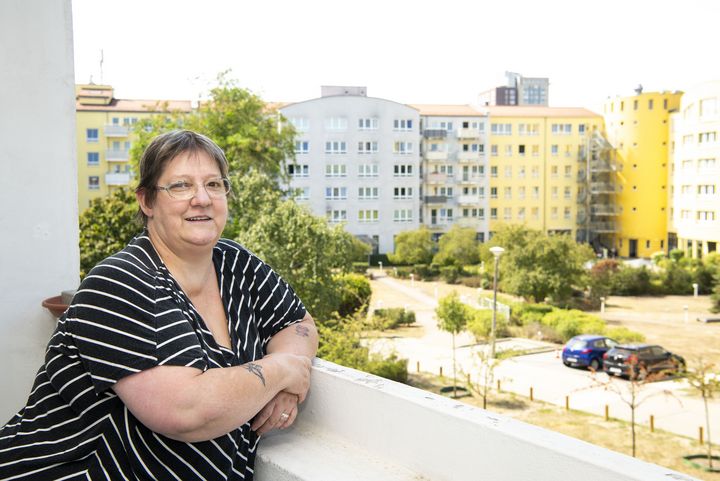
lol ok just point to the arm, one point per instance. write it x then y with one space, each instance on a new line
190 405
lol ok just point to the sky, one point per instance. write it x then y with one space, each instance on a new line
409 51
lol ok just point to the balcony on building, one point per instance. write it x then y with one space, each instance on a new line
436 155
118 178
436 178
114 130
436 199
468 134
435 133
117 155
604 188
605 166
468 156
469 200
605 210
603 227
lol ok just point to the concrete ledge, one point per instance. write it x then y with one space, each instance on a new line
357 426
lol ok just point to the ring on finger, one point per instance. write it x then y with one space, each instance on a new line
284 417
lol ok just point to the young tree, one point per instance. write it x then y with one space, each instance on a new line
452 315
706 381
413 247
457 247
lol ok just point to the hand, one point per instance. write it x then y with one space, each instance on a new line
271 416
297 373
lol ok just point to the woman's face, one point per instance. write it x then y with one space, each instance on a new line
185 225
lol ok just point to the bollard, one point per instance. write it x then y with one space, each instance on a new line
441 371
531 393
700 435
498 384
417 366
607 412
652 423
468 378
567 403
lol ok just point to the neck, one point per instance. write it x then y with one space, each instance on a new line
192 269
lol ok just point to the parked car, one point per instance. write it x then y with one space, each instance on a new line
587 350
637 361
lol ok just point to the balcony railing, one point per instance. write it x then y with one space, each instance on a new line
604 188
117 155
605 210
468 156
473 200
603 227
436 155
436 178
435 133
117 178
436 199
468 134
117 131
354 425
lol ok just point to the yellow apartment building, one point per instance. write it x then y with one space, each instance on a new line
536 156
638 128
104 137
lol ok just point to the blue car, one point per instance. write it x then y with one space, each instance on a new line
587 350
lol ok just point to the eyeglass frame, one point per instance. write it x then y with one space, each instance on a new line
195 188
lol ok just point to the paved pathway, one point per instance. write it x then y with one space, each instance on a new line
668 401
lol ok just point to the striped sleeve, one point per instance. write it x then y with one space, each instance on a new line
276 305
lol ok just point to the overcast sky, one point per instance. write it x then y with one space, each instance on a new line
410 51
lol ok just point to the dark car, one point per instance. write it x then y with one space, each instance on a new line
637 361
587 350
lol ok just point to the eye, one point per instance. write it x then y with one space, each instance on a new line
180 186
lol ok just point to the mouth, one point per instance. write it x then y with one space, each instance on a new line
198 218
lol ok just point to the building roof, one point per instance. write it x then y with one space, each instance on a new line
535 111
446 110
121 105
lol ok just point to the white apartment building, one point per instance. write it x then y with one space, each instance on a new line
455 180
695 170
357 162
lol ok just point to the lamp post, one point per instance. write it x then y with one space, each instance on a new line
497 251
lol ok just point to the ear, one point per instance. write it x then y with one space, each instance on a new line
142 200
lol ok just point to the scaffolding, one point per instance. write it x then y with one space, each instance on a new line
598 188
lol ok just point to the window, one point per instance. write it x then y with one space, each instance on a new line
473 213
561 129
708 107
93 182
535 150
567 193
684 214
302 193
554 149
507 213
686 164
336 170
650 104
301 124
705 137
554 192
508 150
368 123
339 215
367 216
298 170
529 129
93 158
92 135
493 213
402 215
402 170
521 213
367 193
128 121
403 148
535 213
336 123
336 193
535 172
553 212
704 215
581 129
521 171
402 193
566 213
508 171
367 170
367 147
706 189
688 139
535 192
335 147
507 192
554 171
302 146
521 192
635 104
493 192
493 171
521 149
568 171
403 125
494 150
704 164
501 129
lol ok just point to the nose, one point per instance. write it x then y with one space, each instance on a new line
201 197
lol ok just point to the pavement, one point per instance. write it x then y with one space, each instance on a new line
429 349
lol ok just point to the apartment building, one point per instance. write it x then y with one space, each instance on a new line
518 90
694 200
638 128
104 137
357 162
455 185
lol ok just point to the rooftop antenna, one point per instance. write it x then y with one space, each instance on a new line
102 59
639 89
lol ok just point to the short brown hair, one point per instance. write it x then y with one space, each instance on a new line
164 148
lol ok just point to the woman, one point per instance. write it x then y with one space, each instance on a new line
176 353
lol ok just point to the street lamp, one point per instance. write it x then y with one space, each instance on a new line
496 251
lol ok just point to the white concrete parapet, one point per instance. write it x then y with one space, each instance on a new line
356 426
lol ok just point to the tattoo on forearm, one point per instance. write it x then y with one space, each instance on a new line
302 331
255 369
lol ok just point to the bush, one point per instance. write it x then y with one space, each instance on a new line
524 314
401 272
450 274
480 324
624 335
425 271
568 324
471 281
360 267
391 318
392 367
355 292
677 280
630 281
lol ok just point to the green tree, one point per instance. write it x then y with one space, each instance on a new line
458 247
106 226
413 247
452 315
536 265
706 381
355 292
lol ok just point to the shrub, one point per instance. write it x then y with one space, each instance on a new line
677 280
360 267
401 272
624 335
471 281
355 292
480 324
391 318
392 367
425 271
450 274
524 313
630 281
568 324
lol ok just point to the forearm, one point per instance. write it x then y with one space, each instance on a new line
300 338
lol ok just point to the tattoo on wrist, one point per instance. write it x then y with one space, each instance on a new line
255 369
302 331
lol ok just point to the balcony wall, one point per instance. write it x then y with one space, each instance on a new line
356 426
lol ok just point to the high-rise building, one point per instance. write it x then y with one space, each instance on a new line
518 90
104 137
357 162
638 128
695 171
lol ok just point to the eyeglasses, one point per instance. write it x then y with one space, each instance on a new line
217 188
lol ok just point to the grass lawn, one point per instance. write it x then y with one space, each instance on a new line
659 447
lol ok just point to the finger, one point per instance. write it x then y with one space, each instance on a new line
261 417
274 421
290 420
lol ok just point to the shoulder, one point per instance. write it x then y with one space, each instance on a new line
233 251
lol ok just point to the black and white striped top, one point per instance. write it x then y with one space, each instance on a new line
128 315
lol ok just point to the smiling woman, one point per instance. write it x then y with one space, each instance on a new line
175 354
